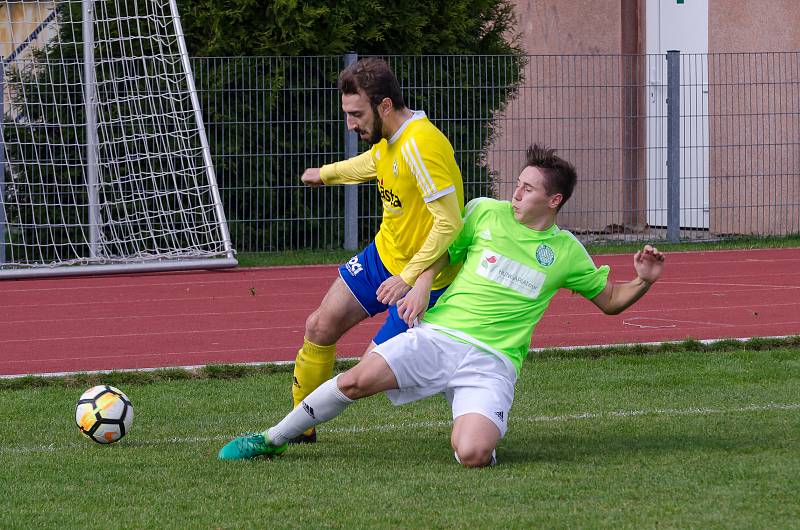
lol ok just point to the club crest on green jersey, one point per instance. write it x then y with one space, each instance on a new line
545 255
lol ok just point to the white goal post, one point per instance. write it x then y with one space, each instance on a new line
104 161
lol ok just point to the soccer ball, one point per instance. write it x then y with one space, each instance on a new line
104 414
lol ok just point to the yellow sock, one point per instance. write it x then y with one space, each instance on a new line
313 366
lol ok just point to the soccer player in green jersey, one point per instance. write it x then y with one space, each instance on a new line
471 344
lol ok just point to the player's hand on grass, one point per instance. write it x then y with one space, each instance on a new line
649 263
311 177
412 308
392 290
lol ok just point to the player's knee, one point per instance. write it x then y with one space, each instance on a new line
474 455
318 328
474 439
473 451
353 385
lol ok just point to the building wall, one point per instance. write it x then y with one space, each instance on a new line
578 26
754 125
18 20
747 26
577 104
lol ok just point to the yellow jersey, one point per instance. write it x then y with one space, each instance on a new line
422 193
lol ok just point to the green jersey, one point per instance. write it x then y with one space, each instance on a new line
509 275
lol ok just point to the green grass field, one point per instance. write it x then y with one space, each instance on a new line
688 439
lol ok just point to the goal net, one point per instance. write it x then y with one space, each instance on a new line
104 161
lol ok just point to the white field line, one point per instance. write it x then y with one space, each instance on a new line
421 425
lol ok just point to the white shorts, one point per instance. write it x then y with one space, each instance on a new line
427 362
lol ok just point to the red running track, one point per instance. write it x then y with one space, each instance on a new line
257 315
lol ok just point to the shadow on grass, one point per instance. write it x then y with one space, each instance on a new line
606 446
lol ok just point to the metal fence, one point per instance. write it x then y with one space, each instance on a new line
667 147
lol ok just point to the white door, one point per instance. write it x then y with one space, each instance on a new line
678 25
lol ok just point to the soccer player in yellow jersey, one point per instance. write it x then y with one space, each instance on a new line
420 186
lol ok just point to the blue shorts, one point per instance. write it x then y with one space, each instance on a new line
363 274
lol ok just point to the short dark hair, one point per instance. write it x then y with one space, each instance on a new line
375 78
560 175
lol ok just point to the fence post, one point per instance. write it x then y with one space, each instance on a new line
350 191
673 146
2 164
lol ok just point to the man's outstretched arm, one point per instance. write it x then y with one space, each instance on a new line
354 170
616 298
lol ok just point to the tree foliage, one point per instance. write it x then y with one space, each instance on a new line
369 27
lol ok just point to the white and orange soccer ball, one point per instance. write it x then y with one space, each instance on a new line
104 414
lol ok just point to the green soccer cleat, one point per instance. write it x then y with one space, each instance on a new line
250 446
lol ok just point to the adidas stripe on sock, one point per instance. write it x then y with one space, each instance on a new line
323 404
